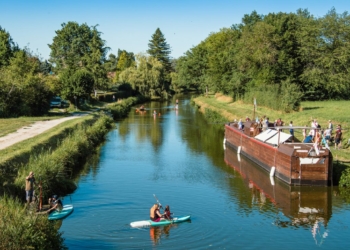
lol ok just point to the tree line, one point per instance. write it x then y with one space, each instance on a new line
280 58
78 67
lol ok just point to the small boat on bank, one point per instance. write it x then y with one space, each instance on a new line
148 223
294 163
65 212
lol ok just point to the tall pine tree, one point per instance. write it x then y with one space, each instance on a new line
160 49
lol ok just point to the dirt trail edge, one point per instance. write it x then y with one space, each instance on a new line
31 131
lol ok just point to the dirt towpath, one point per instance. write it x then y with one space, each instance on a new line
32 130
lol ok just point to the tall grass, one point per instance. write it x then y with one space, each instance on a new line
23 229
54 168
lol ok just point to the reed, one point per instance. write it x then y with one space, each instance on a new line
56 167
22 228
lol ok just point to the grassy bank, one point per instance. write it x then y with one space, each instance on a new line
56 157
21 227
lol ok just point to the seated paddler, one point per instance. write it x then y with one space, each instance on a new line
55 204
155 215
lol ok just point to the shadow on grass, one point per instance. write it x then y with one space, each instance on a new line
310 108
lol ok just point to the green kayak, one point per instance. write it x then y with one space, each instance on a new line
146 223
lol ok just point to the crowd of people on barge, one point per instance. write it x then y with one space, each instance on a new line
313 134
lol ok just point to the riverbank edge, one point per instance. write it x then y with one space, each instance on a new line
94 134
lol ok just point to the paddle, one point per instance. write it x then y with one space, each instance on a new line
160 205
41 195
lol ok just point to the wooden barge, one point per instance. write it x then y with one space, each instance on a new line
292 162
301 205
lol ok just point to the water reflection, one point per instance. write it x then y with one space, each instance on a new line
307 207
156 233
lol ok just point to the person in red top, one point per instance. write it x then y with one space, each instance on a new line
167 213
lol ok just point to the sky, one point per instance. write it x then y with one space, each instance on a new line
129 24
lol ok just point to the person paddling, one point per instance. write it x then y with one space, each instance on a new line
155 215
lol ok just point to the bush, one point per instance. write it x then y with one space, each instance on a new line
285 97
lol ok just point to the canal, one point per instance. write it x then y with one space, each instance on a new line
180 157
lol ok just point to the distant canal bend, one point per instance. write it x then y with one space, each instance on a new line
180 157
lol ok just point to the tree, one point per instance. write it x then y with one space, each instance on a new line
147 78
326 73
45 67
23 92
7 47
111 63
124 61
79 48
76 85
160 49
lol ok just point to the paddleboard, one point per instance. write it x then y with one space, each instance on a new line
58 215
147 223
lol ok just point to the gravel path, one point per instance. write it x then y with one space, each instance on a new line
31 131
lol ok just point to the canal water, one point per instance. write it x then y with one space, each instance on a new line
180 157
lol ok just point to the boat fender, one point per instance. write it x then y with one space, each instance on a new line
272 172
239 150
224 142
272 180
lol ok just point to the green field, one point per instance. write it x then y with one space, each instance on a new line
337 111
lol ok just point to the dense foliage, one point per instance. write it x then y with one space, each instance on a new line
280 59
78 53
22 86
147 78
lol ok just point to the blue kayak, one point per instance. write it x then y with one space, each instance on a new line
145 223
58 215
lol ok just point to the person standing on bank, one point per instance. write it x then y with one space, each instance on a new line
30 182
291 130
338 137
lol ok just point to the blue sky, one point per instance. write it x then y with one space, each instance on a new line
129 24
